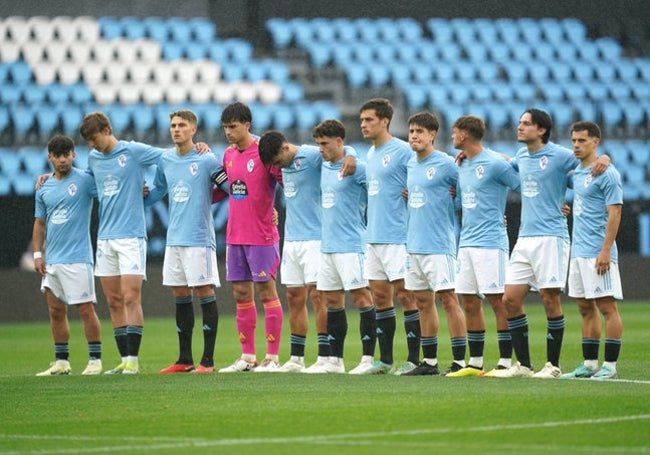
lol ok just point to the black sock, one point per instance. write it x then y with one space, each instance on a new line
413 333
386 325
458 349
612 349
554 339
368 330
210 326
95 350
519 331
324 349
337 329
61 351
298 345
184 327
505 344
590 348
133 339
120 340
429 347
476 342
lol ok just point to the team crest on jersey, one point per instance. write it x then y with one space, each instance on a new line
194 168
480 172
431 172
385 161
297 164
72 189
543 162
588 181
250 165
121 160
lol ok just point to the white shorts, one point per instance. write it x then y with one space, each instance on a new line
481 271
341 271
386 262
299 266
585 283
430 272
117 257
540 262
190 266
71 283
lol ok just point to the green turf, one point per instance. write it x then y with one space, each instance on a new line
253 413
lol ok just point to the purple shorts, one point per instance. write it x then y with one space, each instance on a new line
256 263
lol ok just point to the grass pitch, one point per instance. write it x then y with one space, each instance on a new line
318 414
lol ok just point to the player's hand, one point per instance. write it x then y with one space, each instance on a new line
405 193
566 210
452 190
202 148
39 266
603 262
349 165
276 217
145 190
41 180
601 165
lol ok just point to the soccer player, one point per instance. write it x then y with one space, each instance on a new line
431 243
343 201
190 264
594 278
253 242
483 182
540 257
386 237
62 216
301 171
119 169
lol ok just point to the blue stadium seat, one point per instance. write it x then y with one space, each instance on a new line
450 53
481 93
4 119
612 114
566 52
239 50
356 75
627 71
460 93
323 30
22 117
263 118
640 151
47 119
133 28
444 73
195 50
306 116
633 113
20 73
179 29
388 29
428 51
635 175
497 117
320 54
508 31
326 110
597 91
281 32
363 53
110 27
575 30
156 29
400 74
203 30
422 74
143 118
439 94
588 52
218 52
232 73
530 30
410 29
211 118
502 91
34 160
552 91
5 185
80 93
544 51
33 94
620 90
10 161
23 184
605 72
58 93
609 49
477 52
583 72
366 30
575 92
277 71
499 52
525 92
643 67
385 53
120 117
344 29
516 72
586 110
416 96
552 30
255 71
10 94
440 29
406 54
71 116
561 113
561 72
4 73
292 92
172 50
540 73
378 76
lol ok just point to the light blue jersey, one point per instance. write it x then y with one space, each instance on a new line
343 202
188 179
119 177
386 175
483 189
302 195
431 223
65 205
592 195
543 176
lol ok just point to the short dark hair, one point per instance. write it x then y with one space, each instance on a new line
236 112
329 128
60 145
592 129
270 145
185 114
425 119
472 124
381 106
542 120
95 123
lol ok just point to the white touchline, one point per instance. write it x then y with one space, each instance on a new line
160 443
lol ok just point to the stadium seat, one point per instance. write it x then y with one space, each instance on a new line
10 162
22 117
179 29
605 72
443 73
544 52
416 96
5 185
4 120
20 72
23 184
281 33
561 72
516 72
103 52
120 117
540 73
634 114
609 49
223 93
133 28
440 29
143 119
597 91
627 71
153 94
574 30
41 28
612 114
156 29
86 30
71 117
323 30
110 27
34 159
58 94
378 76
497 118
499 52
552 30
552 91
460 93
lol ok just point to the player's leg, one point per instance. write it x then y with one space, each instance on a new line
60 328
